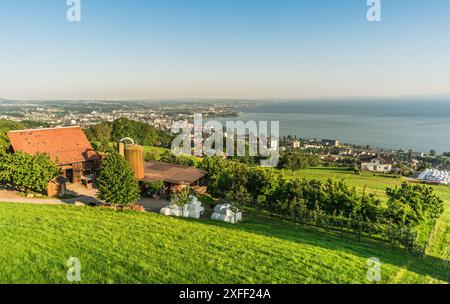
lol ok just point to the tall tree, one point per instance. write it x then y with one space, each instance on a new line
116 182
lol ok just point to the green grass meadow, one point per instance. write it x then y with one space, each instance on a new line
130 247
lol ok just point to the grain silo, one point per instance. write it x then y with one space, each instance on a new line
134 154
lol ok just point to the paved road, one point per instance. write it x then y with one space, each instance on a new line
149 204
32 201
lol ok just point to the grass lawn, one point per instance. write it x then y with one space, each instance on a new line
131 247
157 150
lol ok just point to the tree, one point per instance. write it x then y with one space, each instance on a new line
297 160
5 127
412 205
239 198
27 172
116 182
11 125
100 132
4 140
100 136
143 133
183 197
433 152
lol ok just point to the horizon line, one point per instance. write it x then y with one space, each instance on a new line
254 99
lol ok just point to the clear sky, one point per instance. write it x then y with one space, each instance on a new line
223 49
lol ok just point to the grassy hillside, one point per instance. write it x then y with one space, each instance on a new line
440 243
36 241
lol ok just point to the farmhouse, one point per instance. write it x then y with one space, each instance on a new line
68 147
377 164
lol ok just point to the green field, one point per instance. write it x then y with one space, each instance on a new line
36 241
130 247
157 150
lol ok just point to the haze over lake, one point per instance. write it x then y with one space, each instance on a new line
420 125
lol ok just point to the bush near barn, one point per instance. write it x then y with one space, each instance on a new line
25 172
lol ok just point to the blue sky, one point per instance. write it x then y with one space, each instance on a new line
223 49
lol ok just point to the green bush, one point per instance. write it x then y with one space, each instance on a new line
117 183
26 172
152 188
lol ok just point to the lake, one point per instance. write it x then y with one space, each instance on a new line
420 125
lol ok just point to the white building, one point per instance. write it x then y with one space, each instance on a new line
377 164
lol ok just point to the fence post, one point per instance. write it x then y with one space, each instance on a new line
359 230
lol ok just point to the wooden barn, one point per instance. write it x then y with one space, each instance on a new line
68 147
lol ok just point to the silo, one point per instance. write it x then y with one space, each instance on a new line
134 154
121 148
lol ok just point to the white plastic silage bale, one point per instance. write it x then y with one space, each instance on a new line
197 209
228 212
177 212
239 216
218 208
227 219
221 218
166 211
224 210
214 216
185 210
195 215
217 217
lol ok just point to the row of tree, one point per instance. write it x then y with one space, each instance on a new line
413 208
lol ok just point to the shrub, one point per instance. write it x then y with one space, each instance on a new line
116 182
153 188
27 172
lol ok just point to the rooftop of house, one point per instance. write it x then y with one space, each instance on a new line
65 146
382 158
174 174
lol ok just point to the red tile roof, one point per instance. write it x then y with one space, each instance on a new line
64 145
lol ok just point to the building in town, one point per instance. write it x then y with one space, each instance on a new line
330 142
377 164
